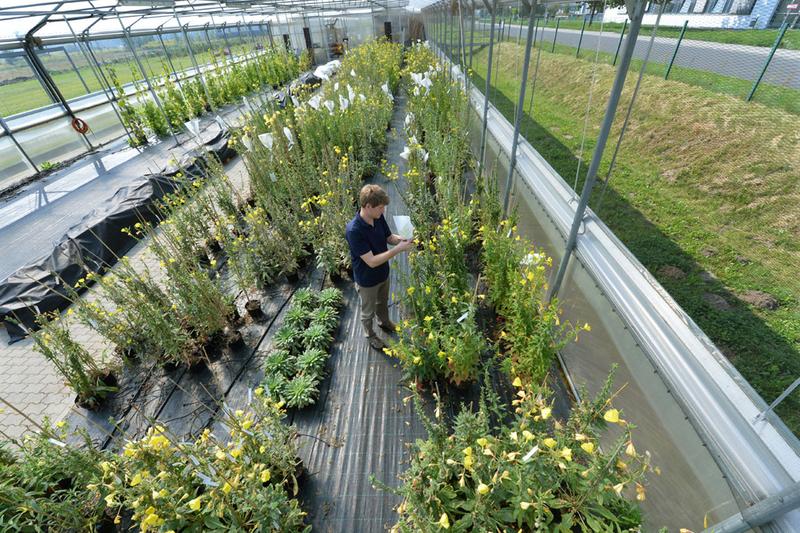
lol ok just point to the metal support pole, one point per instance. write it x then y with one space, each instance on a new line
636 15
101 77
28 159
169 59
621 35
471 33
580 39
482 157
520 109
126 34
78 72
778 400
98 74
44 76
555 35
775 46
675 52
194 63
760 513
462 57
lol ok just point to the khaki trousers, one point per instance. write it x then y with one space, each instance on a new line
374 301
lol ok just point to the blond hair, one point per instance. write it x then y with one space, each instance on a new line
372 195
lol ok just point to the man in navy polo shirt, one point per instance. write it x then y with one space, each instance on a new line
368 235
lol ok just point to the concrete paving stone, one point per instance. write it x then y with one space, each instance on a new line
31 383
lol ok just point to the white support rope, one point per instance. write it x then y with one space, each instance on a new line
589 101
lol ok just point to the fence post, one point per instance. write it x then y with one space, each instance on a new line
621 35
775 46
677 45
580 39
520 109
555 35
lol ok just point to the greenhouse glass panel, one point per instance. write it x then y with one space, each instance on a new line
20 89
53 142
13 166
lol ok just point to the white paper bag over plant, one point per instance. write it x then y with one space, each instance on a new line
343 103
193 126
289 136
248 143
404 226
330 105
267 140
314 101
385 89
351 94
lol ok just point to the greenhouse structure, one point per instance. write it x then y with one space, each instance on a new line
576 221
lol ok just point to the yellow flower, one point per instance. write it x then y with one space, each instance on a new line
259 391
226 488
549 442
483 488
136 479
588 447
444 522
612 415
410 291
527 434
566 454
236 452
618 488
417 360
428 318
517 382
265 476
546 411
513 436
524 505
427 290
468 462
482 442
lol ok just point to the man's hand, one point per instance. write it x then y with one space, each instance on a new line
404 245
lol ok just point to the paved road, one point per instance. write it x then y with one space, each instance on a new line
739 61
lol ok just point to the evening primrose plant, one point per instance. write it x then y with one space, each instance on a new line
244 480
517 274
532 474
45 484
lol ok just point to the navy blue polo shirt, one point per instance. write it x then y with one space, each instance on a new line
363 238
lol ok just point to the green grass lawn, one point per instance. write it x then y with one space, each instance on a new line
782 98
791 40
704 182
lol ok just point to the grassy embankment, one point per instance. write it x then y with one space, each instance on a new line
705 183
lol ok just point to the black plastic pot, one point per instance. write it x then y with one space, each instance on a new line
253 309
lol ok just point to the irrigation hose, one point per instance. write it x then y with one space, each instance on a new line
80 125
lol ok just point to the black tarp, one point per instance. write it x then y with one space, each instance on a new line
95 243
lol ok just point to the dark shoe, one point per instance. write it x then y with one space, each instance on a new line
389 326
376 343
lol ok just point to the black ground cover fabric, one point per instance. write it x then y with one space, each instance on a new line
94 244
